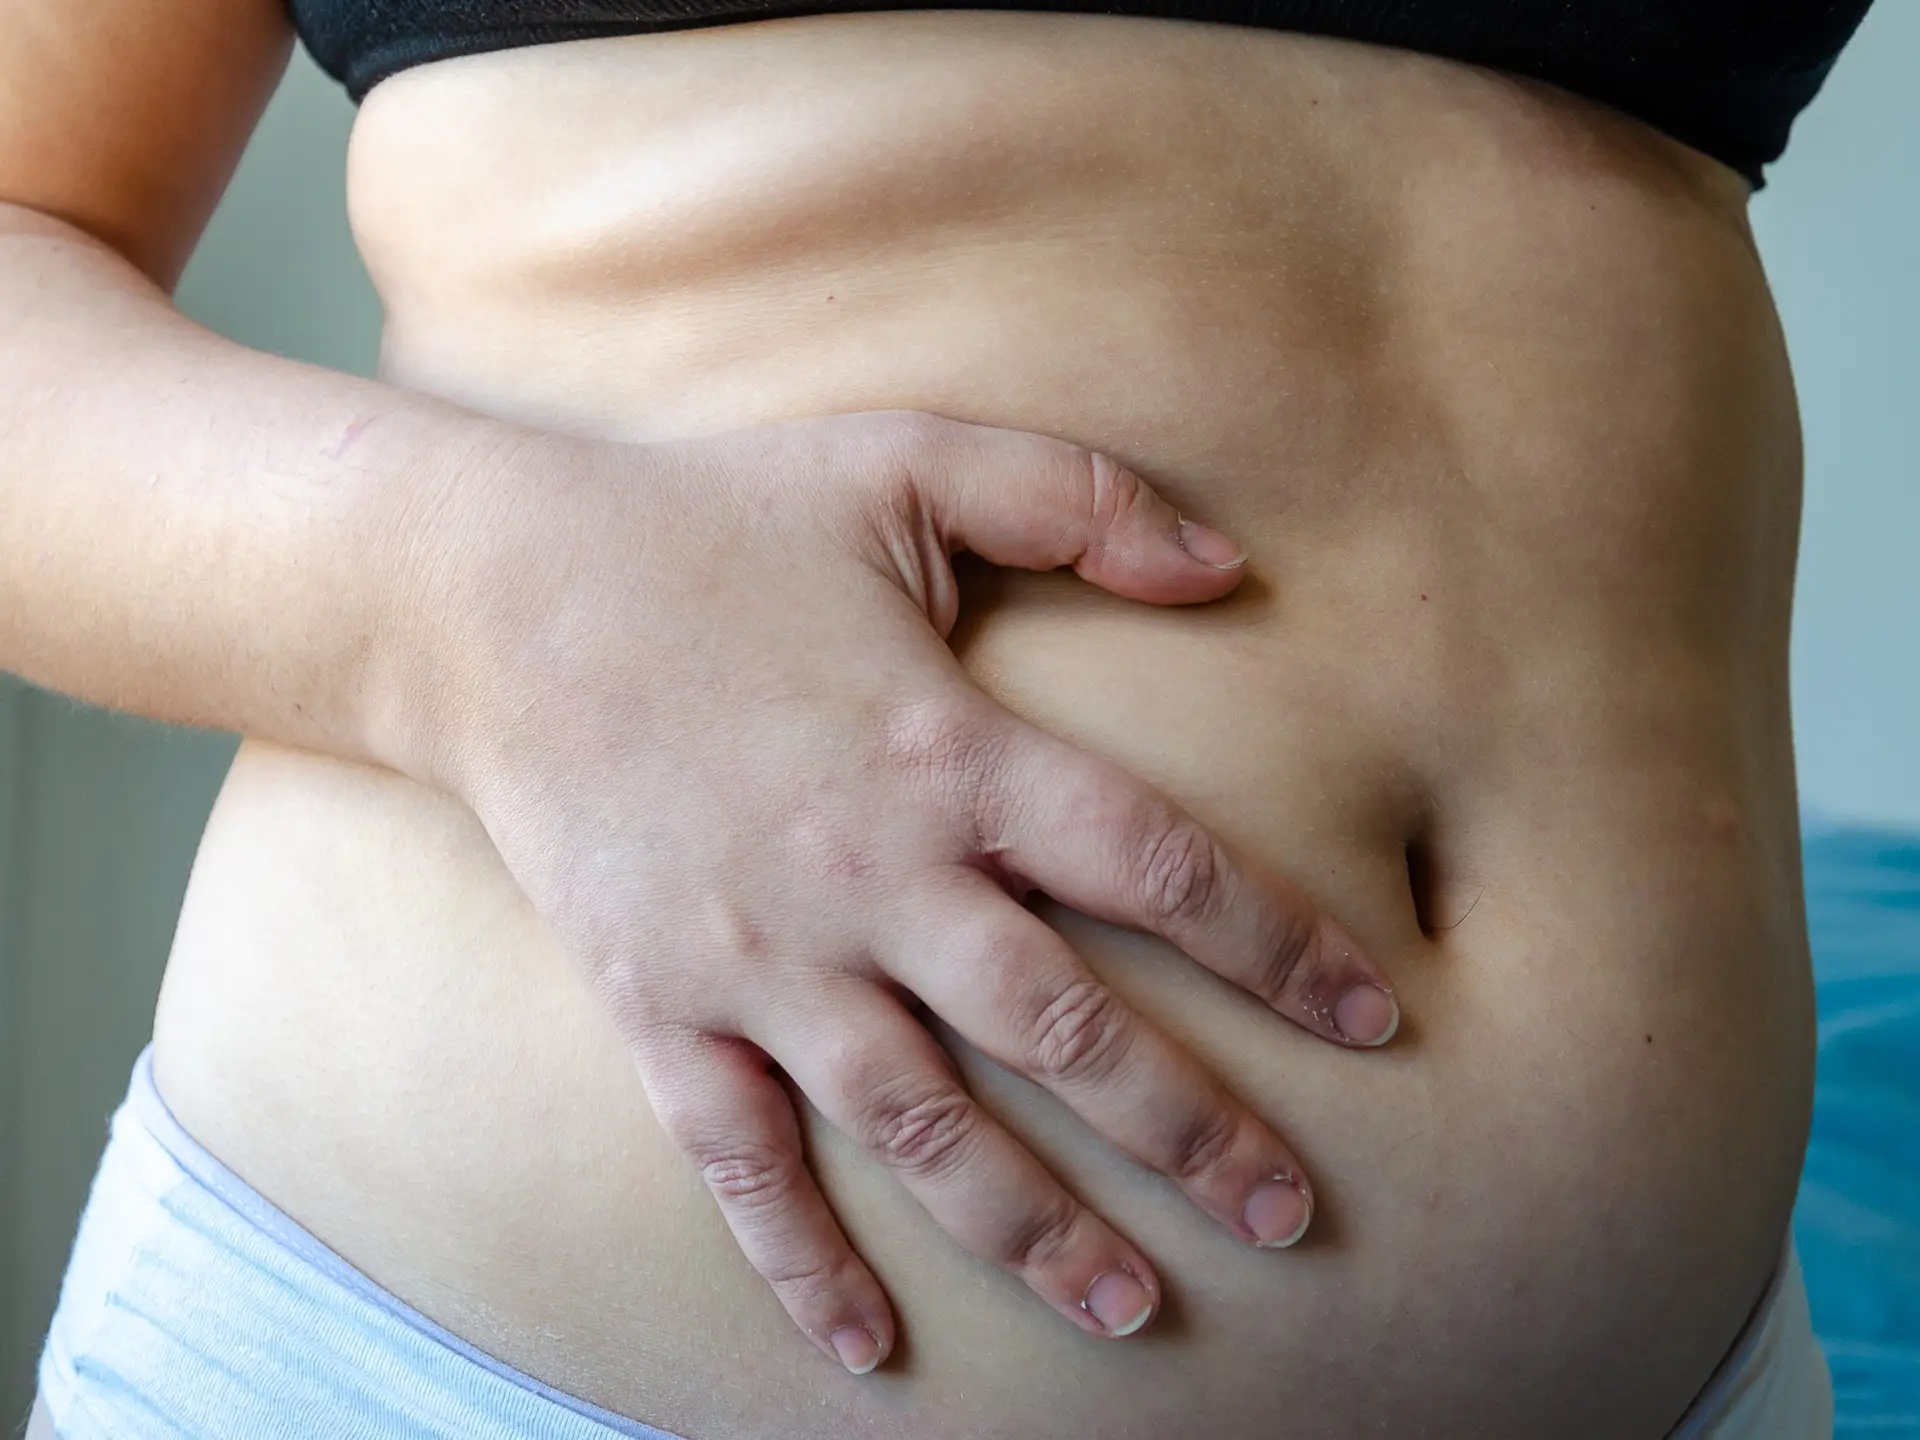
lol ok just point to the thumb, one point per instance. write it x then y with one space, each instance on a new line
1035 503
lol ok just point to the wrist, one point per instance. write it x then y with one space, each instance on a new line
445 529
479 541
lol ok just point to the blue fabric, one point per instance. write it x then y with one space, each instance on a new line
1858 1219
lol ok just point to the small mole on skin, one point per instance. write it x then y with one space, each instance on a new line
1649 1039
1423 597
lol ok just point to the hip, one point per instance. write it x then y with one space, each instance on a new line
194 1305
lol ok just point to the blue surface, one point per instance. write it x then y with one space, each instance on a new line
1858 1221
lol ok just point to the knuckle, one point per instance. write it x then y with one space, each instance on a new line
922 1134
856 1069
802 1276
1181 872
749 1176
679 1087
823 842
1115 493
942 744
909 440
1287 959
678 1115
1040 1239
1204 1145
1081 1036
876 460
725 922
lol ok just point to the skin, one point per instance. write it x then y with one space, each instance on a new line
1486 381
383 523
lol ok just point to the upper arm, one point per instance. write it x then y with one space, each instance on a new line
126 118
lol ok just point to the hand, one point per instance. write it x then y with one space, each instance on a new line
699 696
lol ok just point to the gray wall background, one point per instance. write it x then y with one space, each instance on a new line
99 814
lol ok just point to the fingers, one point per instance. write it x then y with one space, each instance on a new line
894 1091
729 1115
1094 838
1037 504
1009 983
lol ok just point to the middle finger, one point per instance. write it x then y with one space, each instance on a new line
1009 983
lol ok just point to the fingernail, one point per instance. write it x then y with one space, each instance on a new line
1367 1015
1210 547
1278 1213
856 1347
1119 1302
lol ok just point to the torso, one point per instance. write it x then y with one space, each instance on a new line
1489 381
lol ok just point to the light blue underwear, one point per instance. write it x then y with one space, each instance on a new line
194 1310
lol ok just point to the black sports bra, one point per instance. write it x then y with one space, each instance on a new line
1724 76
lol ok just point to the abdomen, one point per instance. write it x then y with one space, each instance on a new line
1489 383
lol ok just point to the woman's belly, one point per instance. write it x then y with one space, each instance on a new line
1489 383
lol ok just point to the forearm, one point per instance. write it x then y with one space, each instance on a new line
199 533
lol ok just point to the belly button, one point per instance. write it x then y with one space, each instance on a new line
1442 900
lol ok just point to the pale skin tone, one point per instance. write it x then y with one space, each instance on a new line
160 482
1486 381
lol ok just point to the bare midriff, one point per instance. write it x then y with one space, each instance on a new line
1487 379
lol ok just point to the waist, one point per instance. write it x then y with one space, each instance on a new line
131 1351
1488 382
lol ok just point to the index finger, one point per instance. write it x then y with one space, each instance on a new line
1097 839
